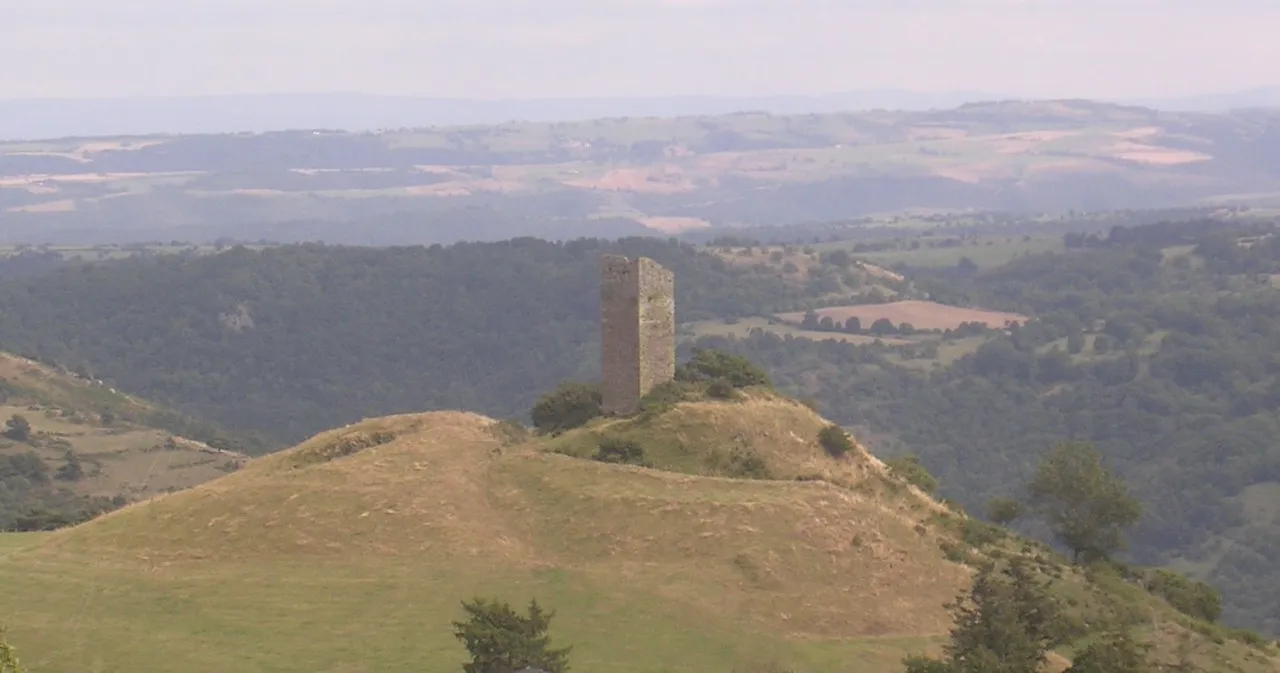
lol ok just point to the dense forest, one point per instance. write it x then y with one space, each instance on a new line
294 340
1167 363
1157 343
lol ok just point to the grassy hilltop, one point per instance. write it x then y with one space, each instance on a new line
353 550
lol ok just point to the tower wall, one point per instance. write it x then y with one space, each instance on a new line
637 324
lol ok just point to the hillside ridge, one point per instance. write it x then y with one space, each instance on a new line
422 509
74 447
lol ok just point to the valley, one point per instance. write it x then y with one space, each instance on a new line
152 385
633 175
650 336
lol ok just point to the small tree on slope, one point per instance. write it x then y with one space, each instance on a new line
570 405
1085 505
1004 625
502 641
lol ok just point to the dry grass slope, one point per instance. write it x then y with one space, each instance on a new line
442 503
119 457
351 552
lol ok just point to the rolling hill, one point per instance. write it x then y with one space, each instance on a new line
630 175
74 447
291 340
353 550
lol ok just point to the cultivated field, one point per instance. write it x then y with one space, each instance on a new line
985 251
920 314
743 328
667 175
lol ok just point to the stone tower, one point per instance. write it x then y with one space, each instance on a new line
637 330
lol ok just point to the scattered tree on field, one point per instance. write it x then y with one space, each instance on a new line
1085 505
18 428
500 640
1005 624
1003 511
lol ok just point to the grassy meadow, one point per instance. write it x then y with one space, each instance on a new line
353 551
375 551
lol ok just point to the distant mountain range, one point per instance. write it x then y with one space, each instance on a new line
55 118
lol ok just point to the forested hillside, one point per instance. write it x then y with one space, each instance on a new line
1161 345
293 340
72 448
1157 343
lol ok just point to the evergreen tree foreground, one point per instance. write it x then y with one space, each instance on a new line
500 640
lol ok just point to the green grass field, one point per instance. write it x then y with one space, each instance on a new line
948 352
379 614
744 326
360 563
353 551
990 252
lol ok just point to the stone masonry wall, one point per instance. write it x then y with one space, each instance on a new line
637 330
657 319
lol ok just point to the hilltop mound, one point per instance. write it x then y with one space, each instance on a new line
444 504
450 485
369 535
757 435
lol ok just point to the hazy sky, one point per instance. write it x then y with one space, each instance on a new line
555 48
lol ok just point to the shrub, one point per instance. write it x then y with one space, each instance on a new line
71 470
1003 511
8 656
708 365
744 463
909 469
618 450
978 534
721 389
834 440
952 552
18 428
509 432
1191 598
570 405
662 397
1250 638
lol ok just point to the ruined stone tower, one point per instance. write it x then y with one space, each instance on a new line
637 330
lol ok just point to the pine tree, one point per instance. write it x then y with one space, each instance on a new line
1004 625
502 641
